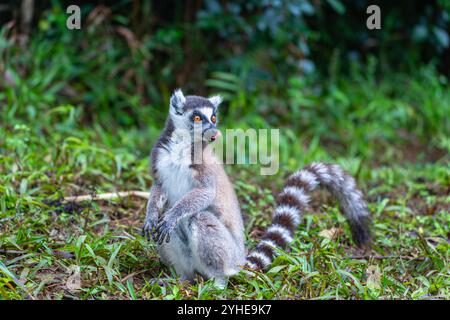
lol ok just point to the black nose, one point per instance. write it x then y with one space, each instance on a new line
211 134
215 134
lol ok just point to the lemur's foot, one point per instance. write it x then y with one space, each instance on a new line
162 282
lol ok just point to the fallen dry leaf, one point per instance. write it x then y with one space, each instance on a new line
373 277
329 233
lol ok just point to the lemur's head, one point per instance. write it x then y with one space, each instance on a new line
196 115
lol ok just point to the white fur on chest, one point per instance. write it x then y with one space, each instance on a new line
174 169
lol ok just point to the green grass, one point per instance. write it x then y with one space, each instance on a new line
40 238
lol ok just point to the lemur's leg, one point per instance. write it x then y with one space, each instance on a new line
202 245
155 206
195 201
214 248
178 254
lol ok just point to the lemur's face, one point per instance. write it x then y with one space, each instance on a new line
195 115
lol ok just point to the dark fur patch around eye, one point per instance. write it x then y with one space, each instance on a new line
197 113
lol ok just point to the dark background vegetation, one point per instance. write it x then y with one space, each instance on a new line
80 109
158 46
274 60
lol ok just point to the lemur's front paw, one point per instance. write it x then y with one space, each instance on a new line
165 228
147 228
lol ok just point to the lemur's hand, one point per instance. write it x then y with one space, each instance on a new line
165 227
155 206
150 223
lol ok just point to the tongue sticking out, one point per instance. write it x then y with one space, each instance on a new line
217 135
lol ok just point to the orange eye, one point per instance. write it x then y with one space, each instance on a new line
213 119
197 119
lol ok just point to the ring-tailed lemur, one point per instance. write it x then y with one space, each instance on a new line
194 208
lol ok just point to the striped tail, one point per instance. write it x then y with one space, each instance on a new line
294 199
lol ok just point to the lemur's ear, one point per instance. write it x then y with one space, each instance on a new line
177 101
215 100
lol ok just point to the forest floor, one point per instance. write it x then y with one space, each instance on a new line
45 243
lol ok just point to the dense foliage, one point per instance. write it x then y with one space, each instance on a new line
130 55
